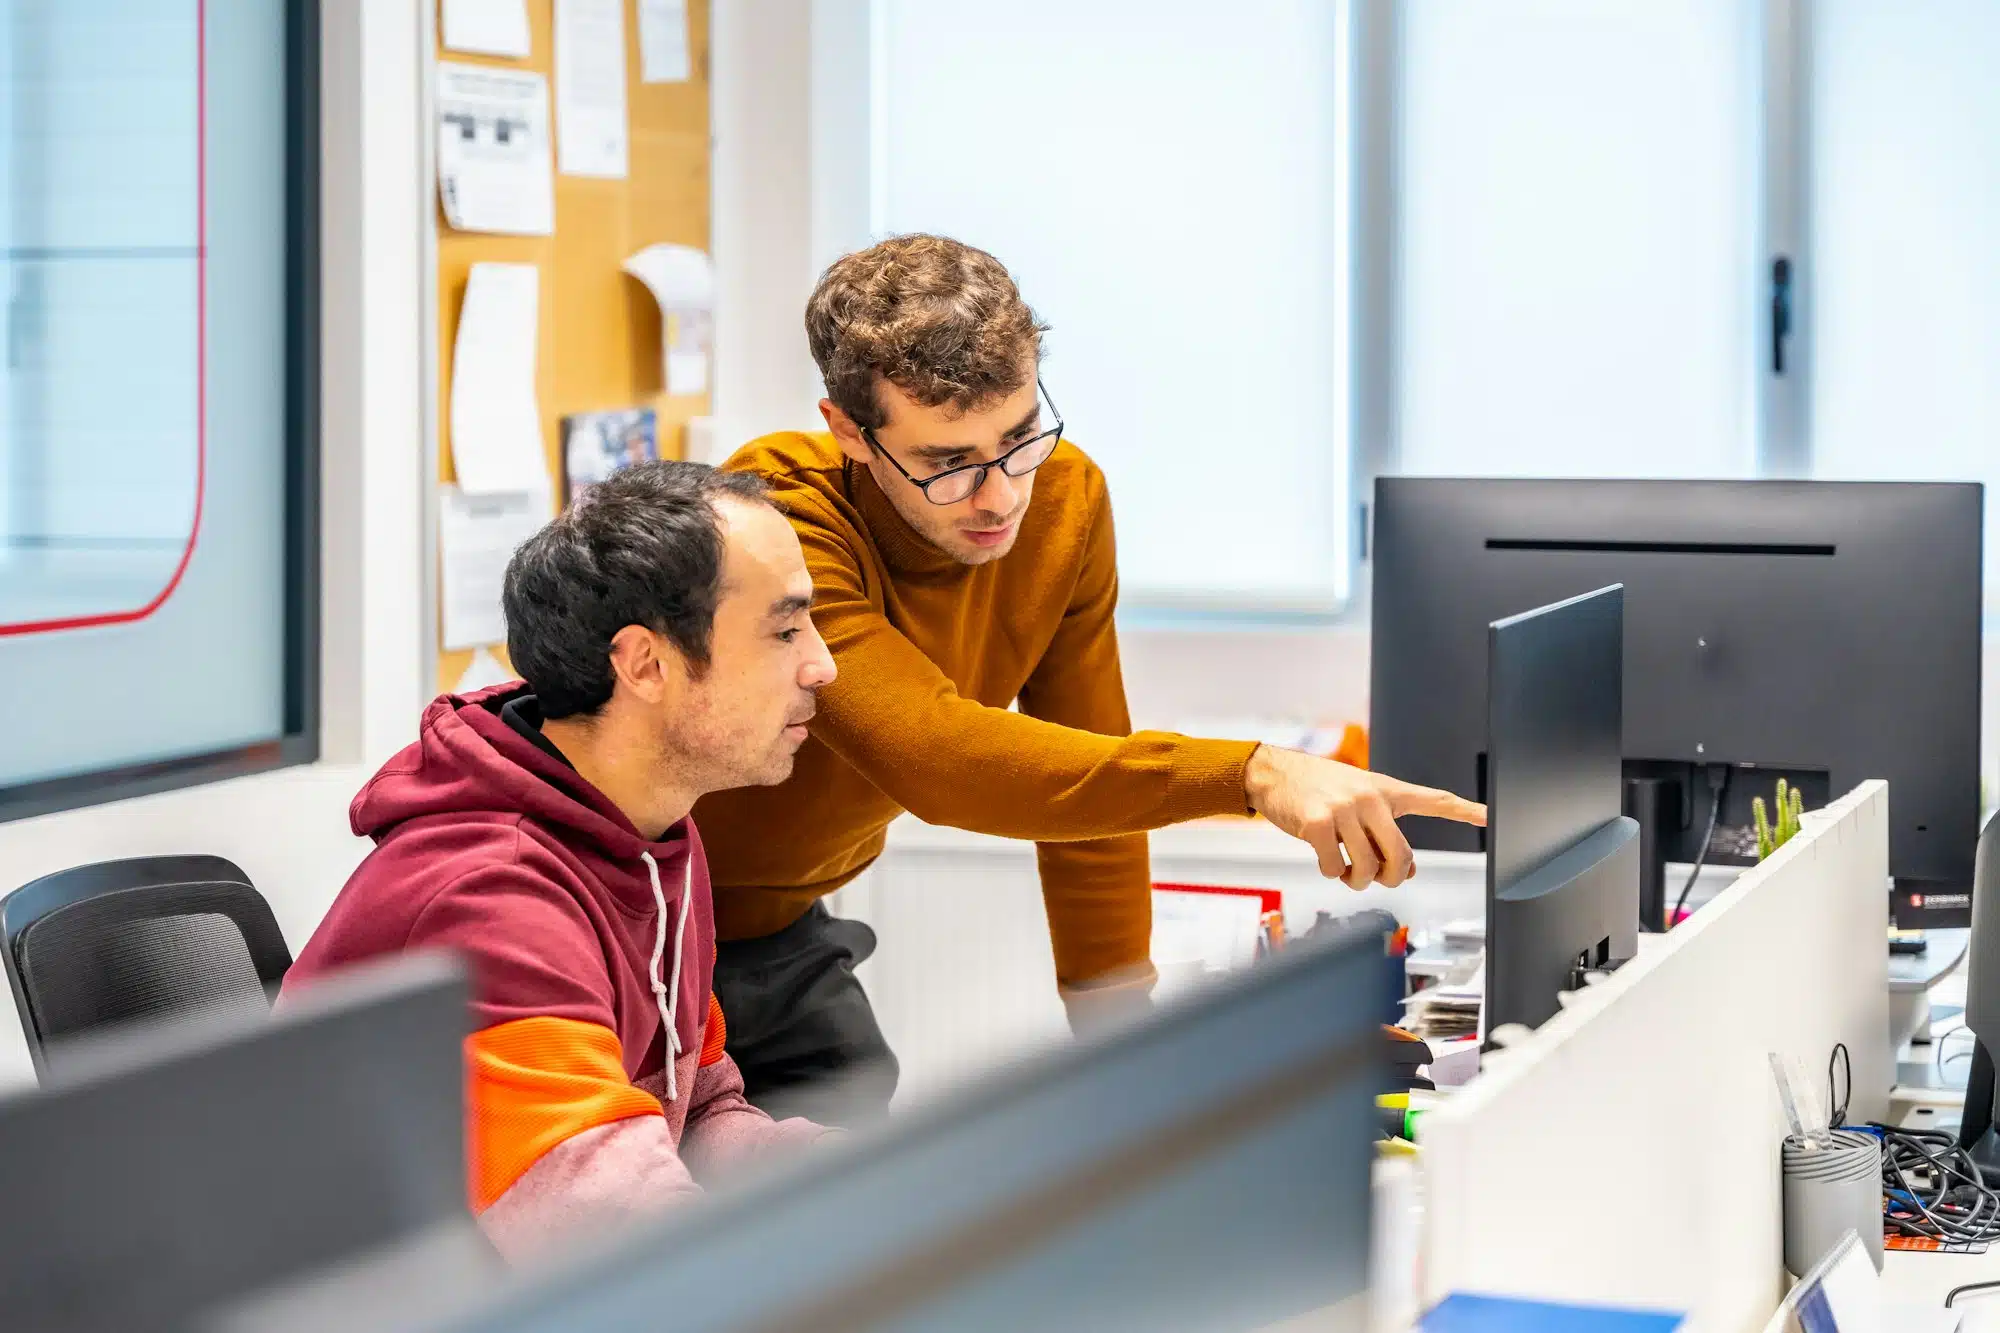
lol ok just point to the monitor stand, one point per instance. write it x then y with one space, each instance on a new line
1654 804
1975 1129
1982 1005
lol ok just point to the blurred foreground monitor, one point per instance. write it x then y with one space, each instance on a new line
1207 1168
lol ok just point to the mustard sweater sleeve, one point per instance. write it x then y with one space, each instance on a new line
1099 894
950 760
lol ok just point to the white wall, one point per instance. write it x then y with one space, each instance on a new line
376 213
289 829
1306 674
761 218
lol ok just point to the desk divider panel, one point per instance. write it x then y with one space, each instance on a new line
1627 1152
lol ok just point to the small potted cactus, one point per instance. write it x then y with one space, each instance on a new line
1771 837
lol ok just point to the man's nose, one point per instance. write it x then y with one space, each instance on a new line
819 670
996 494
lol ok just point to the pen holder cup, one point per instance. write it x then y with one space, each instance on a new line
1831 1191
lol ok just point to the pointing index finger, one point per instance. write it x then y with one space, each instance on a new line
1407 799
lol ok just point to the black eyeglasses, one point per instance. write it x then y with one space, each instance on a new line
962 483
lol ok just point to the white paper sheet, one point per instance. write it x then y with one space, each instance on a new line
1220 929
488 27
590 88
682 281
482 671
477 535
496 423
663 42
493 150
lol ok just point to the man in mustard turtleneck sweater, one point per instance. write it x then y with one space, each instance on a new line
963 560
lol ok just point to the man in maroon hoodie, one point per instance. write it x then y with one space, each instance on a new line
662 627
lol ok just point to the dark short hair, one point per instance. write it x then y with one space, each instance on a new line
937 318
642 548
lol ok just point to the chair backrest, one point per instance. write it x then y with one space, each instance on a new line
110 943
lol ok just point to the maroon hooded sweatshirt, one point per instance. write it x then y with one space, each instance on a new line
589 944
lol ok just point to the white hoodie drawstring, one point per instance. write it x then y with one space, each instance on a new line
668 995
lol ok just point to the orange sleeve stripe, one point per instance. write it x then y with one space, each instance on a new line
716 1035
533 1083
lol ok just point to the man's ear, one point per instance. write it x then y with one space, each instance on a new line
644 664
845 432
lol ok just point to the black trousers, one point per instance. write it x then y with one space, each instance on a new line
800 1026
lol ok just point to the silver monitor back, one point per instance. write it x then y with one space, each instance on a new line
1207 1169
1562 864
177 1165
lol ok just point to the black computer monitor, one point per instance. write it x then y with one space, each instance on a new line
1977 1132
1562 869
175 1166
1207 1168
1824 632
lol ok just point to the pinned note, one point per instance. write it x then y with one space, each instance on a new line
663 42
477 536
590 88
493 150
682 281
487 27
496 423
598 444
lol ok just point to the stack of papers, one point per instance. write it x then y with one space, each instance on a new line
1467 936
1449 1010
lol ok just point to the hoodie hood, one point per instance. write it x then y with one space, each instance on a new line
472 789
468 761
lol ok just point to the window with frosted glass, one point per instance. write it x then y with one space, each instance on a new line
1906 212
1578 242
154 487
1163 181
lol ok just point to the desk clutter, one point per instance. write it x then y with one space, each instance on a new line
1201 932
1446 973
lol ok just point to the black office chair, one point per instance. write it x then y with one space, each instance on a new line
122 940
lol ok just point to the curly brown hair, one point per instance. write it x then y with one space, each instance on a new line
937 318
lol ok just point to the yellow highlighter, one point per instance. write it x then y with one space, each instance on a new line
1396 1117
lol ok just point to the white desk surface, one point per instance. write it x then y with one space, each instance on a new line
1920 972
1925 1280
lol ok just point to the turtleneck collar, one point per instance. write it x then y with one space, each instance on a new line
902 548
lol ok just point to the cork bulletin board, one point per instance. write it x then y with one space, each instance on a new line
599 337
